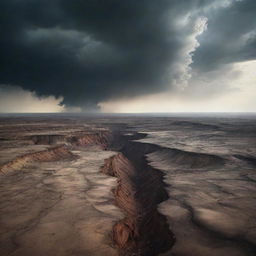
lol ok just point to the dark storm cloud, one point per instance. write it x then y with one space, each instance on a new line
94 50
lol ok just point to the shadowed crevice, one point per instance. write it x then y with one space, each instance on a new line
144 231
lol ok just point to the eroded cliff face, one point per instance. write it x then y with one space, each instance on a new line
144 231
102 139
59 151
50 154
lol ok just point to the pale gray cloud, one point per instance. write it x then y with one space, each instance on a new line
13 99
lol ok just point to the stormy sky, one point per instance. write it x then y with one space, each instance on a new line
127 56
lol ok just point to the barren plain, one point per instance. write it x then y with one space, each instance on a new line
73 185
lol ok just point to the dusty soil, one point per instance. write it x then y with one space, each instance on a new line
75 185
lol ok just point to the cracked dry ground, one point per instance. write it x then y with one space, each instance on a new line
101 187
